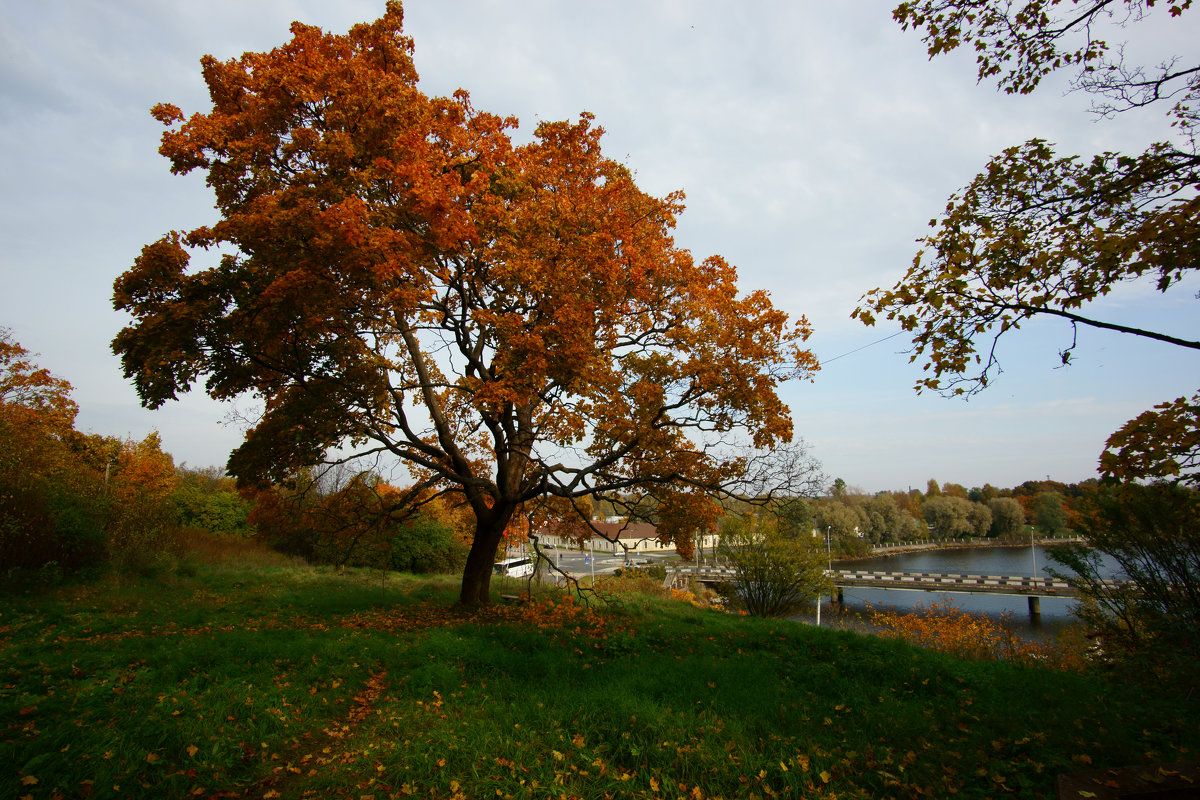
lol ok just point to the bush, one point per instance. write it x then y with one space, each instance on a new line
948 629
427 546
633 581
775 574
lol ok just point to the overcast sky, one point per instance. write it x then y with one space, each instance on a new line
814 140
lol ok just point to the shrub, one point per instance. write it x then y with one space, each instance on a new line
1152 534
774 574
946 628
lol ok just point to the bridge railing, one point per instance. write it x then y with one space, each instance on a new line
921 581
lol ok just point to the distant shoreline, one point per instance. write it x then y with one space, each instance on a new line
955 544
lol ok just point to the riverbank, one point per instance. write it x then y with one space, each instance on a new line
955 544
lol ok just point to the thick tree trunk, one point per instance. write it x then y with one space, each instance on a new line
477 575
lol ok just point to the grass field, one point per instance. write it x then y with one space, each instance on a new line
276 681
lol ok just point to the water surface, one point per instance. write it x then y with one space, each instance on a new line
853 614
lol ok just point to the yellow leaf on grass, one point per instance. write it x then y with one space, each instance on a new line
825 777
192 750
29 780
654 784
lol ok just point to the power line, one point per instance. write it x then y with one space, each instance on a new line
823 362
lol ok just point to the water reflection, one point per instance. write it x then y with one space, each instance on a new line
855 612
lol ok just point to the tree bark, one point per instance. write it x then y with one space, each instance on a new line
477 575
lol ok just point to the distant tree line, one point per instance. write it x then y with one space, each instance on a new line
853 521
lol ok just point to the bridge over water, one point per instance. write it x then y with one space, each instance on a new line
1032 588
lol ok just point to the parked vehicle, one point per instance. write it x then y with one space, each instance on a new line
514 567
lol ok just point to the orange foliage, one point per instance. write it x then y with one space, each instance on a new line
383 236
946 628
139 485
32 395
143 472
682 517
37 417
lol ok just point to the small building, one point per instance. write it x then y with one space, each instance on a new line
616 537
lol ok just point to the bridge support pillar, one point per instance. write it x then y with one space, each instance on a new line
840 597
1035 608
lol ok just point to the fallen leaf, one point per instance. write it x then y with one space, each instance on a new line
29 780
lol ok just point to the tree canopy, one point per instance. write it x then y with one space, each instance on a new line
1038 234
391 275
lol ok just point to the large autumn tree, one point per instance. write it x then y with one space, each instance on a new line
391 275
1043 235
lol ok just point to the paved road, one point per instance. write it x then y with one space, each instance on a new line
572 561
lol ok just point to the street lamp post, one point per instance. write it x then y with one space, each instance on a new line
1033 550
815 535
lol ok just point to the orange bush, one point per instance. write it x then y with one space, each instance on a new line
946 628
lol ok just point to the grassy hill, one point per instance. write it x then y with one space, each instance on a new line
269 682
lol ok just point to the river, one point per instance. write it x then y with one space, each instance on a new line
853 614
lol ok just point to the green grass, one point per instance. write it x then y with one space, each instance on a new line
287 682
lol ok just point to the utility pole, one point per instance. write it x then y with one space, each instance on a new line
1033 550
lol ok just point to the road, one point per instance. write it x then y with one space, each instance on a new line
573 561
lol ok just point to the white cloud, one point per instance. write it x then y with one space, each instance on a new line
814 141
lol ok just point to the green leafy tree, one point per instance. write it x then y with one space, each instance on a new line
1008 518
947 517
794 516
980 517
1040 235
775 575
887 522
842 522
1049 513
206 499
424 544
